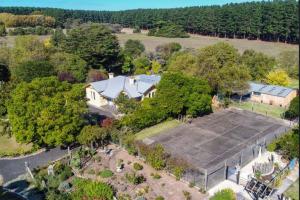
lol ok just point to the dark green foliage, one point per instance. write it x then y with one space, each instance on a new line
2 29
176 94
106 173
5 95
168 30
134 178
287 145
259 64
90 134
46 111
137 166
94 44
4 73
57 37
27 71
38 30
89 190
73 64
126 105
270 20
134 48
225 194
293 110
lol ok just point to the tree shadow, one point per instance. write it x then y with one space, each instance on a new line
22 187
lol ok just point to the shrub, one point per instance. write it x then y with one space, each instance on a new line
178 171
155 176
137 166
87 189
106 173
135 179
91 171
192 184
159 198
187 195
226 194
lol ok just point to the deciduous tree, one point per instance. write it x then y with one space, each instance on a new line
47 111
278 77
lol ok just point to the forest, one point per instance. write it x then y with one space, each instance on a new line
267 20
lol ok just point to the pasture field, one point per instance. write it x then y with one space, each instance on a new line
198 41
194 42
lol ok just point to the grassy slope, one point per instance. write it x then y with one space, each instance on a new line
293 191
9 145
274 111
154 130
197 41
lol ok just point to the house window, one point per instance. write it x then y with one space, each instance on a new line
94 96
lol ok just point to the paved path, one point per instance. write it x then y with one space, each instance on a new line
11 169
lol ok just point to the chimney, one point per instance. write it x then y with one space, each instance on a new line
131 80
110 75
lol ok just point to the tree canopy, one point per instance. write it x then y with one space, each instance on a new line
270 20
168 30
278 77
259 64
176 94
95 44
134 48
293 110
29 70
64 62
46 111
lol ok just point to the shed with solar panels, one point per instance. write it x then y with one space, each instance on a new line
271 94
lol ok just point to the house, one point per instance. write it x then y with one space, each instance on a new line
102 93
271 94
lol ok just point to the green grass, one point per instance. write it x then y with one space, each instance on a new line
154 130
294 83
10 147
273 111
293 191
106 173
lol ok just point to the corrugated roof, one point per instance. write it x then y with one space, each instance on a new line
111 88
273 90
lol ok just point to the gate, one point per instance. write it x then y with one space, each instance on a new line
232 174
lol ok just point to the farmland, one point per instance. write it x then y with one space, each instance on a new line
194 42
198 41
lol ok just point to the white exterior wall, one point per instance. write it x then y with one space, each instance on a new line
149 94
96 100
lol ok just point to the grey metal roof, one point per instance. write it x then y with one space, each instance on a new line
111 88
273 90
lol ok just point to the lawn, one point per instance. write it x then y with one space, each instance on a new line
293 191
198 41
294 83
9 146
154 130
273 111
